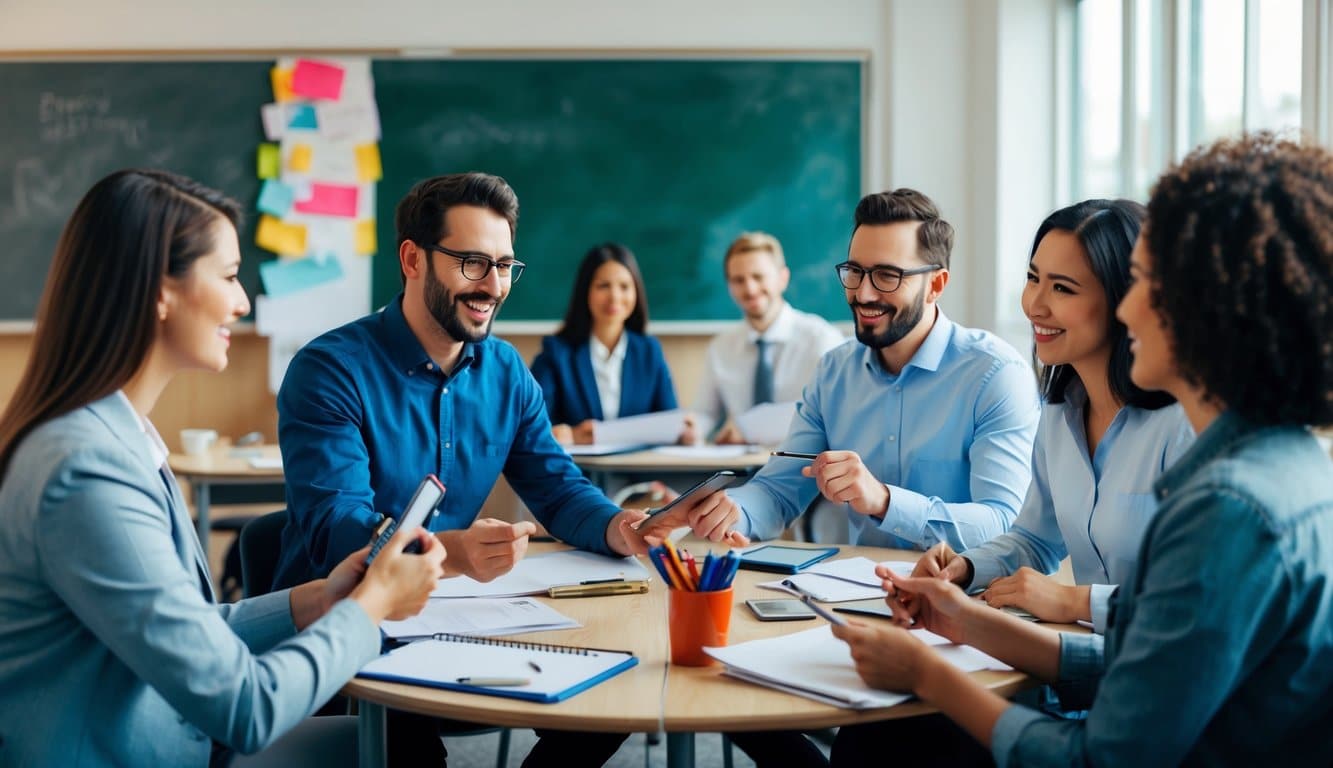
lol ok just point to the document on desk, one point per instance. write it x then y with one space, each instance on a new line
766 423
604 449
710 452
482 617
266 462
838 581
538 573
661 428
818 666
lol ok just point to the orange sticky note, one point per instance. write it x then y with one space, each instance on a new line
368 167
365 237
282 84
268 161
281 238
299 159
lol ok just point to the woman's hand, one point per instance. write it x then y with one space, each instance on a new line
397 585
886 657
933 604
940 561
1041 596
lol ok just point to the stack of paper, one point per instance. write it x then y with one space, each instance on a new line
534 575
837 581
491 618
661 428
818 666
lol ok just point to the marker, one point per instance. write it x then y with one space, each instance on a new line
794 455
494 682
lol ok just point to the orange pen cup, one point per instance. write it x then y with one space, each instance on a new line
698 619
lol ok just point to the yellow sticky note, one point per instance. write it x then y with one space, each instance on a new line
281 238
299 160
269 161
368 166
282 84
365 237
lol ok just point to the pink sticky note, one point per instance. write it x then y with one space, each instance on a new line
330 200
317 80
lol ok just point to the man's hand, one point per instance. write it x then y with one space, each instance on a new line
563 434
729 435
711 517
1041 596
942 562
842 478
584 433
486 549
886 657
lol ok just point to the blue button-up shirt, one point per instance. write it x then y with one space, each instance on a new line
951 436
364 415
1219 647
1094 510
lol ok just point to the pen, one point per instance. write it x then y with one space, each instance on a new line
823 612
603 581
795 455
534 666
494 682
597 590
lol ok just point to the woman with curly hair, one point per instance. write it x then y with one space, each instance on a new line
1219 645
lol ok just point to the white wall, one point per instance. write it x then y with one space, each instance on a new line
944 114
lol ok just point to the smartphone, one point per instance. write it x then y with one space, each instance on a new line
719 481
780 610
823 612
419 510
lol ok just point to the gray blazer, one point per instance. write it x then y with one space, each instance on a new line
112 649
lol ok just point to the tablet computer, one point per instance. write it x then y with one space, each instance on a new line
778 558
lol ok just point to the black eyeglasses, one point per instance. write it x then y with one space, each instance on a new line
884 279
477 267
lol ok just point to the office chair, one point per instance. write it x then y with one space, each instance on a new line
260 542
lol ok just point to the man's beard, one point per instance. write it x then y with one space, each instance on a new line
901 322
444 308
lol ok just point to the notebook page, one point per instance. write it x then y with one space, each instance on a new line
534 575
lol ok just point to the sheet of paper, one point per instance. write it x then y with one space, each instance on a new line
358 122
838 581
268 161
330 200
487 617
659 428
275 118
317 80
766 423
704 451
536 574
604 449
283 276
302 117
281 350
266 462
282 84
280 237
300 157
368 166
364 241
275 198
309 313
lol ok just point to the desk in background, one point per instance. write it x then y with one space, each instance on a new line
653 696
223 465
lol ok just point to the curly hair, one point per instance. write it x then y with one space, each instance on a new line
1241 236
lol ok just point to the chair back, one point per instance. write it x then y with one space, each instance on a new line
261 542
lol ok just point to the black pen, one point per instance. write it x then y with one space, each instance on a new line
493 682
534 666
602 581
794 455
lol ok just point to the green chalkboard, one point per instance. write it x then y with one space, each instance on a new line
64 125
672 158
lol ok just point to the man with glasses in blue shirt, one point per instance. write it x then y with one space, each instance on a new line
368 409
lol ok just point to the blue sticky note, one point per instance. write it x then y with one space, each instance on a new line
284 276
276 198
303 117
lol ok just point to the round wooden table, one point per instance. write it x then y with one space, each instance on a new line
654 696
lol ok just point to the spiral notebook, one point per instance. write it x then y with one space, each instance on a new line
541 672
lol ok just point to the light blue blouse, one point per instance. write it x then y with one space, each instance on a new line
1094 510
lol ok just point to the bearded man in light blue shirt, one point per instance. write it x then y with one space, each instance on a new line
923 430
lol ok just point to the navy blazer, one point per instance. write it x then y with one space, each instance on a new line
564 372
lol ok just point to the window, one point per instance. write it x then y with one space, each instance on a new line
1155 78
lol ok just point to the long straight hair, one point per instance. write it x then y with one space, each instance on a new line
97 318
1107 230
577 326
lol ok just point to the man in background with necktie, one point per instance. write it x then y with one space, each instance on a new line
769 356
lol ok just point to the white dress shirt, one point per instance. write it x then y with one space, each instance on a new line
606 369
798 340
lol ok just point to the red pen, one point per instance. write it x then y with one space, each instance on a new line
693 566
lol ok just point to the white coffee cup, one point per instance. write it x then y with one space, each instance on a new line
196 442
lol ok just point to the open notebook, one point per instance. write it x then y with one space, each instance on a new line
549 673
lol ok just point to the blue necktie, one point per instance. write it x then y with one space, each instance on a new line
763 373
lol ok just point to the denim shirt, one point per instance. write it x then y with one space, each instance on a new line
1092 508
950 435
364 415
1219 647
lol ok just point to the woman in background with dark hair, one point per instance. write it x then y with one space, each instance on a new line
1102 440
113 650
1219 645
601 365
